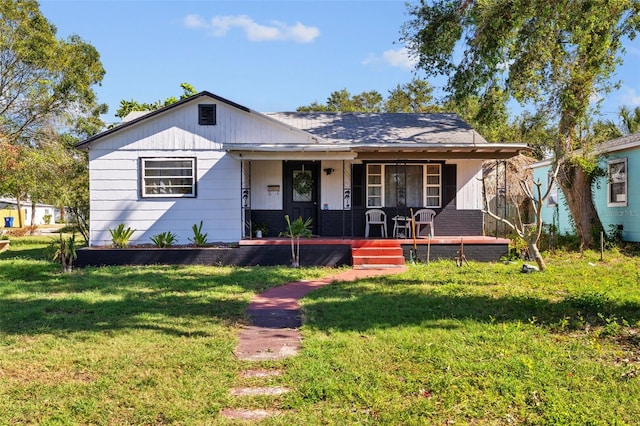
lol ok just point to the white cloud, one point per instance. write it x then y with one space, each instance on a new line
630 97
219 26
194 21
395 57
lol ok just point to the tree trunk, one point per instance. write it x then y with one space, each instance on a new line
576 187
33 213
63 215
535 252
19 207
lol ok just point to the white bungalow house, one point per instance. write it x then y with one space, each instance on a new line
209 159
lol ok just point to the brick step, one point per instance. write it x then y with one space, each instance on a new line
375 243
377 251
376 267
377 254
378 260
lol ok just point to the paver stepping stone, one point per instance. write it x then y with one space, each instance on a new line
258 391
247 414
264 344
261 373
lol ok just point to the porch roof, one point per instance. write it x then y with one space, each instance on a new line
358 128
381 136
375 152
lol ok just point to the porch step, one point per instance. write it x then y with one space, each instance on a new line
375 243
377 254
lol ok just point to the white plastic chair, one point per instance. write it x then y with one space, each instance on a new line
376 217
424 217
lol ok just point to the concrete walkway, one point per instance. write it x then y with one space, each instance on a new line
275 316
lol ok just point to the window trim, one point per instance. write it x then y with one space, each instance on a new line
621 160
142 176
552 198
425 185
375 185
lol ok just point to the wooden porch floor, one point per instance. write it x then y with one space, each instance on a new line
437 240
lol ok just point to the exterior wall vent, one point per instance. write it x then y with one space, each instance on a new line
207 114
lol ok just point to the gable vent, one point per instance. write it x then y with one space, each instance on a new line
207 114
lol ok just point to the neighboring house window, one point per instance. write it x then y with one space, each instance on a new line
552 200
617 185
168 177
207 114
412 185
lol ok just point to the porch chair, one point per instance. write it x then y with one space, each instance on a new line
376 217
424 217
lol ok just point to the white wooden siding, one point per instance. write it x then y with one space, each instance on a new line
469 184
115 197
264 173
178 129
331 186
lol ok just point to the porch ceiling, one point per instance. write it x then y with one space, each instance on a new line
483 151
290 153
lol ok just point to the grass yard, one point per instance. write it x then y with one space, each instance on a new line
438 344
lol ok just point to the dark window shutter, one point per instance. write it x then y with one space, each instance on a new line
449 172
207 115
357 185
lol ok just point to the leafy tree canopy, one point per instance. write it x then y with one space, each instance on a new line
416 96
129 106
629 123
44 80
553 55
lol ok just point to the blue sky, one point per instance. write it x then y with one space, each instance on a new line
266 55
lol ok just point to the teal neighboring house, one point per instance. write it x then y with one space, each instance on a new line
616 196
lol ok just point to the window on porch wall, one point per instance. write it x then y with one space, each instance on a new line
414 185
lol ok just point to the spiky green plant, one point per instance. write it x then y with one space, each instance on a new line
295 230
64 251
165 239
120 236
199 238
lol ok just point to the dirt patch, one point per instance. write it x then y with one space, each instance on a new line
32 376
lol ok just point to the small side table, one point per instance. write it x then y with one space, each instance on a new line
401 227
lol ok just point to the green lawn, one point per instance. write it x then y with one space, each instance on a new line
438 344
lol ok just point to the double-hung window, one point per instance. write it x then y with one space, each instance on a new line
168 177
617 182
404 185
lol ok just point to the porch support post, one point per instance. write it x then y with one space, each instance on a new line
245 199
347 196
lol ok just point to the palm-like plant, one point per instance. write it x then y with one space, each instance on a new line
295 230
630 120
120 236
165 239
64 251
